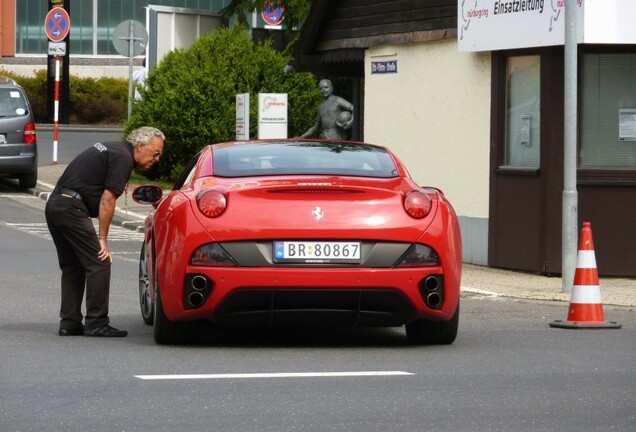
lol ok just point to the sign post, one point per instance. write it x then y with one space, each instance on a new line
569 234
242 116
130 39
57 25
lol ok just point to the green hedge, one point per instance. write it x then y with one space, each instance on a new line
102 101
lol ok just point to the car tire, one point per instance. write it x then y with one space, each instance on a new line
28 181
145 296
427 332
166 332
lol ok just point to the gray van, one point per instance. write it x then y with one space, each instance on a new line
18 142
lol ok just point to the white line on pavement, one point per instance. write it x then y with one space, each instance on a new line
272 375
479 291
14 196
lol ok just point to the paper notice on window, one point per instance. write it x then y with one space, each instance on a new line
627 125
524 130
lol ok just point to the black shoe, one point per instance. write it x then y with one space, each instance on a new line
104 331
71 332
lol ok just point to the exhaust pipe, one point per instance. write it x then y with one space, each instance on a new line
195 299
432 283
434 300
197 290
432 291
198 283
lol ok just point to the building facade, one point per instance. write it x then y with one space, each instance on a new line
170 24
475 106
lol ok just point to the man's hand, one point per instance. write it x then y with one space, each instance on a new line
104 251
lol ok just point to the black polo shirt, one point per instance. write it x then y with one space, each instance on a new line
99 167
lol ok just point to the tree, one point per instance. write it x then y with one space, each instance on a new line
191 94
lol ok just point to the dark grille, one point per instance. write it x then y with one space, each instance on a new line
276 307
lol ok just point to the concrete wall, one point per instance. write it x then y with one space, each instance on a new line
434 113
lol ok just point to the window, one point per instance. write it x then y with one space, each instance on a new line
92 22
608 89
523 124
315 158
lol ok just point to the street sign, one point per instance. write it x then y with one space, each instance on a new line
57 24
130 38
57 48
273 16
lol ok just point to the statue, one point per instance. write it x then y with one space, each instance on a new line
335 115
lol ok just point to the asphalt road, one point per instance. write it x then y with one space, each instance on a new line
508 370
71 141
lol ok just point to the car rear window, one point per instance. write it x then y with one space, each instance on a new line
12 102
303 158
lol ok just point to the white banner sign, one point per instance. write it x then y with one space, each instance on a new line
488 25
272 115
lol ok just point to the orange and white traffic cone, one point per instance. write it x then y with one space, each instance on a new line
586 308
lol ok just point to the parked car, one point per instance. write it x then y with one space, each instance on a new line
18 143
300 232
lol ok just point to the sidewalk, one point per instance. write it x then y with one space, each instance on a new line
476 280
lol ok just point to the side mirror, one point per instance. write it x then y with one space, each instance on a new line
147 194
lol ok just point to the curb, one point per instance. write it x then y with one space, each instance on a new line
78 128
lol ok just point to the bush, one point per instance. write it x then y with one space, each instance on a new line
191 95
102 101
98 101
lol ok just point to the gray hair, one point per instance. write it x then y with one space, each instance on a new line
144 135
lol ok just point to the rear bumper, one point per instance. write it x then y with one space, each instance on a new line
19 164
271 296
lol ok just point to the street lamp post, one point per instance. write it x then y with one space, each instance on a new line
570 194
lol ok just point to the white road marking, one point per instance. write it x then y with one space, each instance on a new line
14 196
479 291
272 375
47 185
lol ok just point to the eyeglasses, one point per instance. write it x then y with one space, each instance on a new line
155 153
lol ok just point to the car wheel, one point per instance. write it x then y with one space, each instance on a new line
28 181
427 332
145 298
166 332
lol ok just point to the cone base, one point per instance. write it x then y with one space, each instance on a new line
585 324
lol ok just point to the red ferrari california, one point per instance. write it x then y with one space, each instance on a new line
300 232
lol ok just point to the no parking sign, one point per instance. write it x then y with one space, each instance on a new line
273 16
57 24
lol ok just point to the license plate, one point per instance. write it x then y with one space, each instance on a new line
316 252
3 139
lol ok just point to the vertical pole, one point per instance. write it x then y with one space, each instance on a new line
56 109
570 195
131 34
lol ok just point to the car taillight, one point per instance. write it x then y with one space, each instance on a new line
28 137
211 255
417 204
211 203
419 255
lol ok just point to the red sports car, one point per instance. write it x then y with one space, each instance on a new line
294 232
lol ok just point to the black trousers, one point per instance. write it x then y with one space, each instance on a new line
77 246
